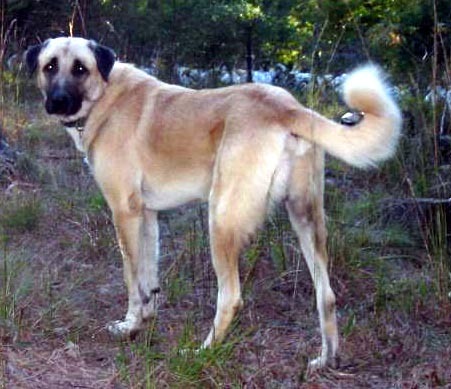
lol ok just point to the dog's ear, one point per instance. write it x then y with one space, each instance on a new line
31 58
105 58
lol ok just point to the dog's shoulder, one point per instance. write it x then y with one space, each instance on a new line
128 74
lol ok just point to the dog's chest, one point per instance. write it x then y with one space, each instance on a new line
77 137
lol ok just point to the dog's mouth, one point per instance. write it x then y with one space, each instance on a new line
62 102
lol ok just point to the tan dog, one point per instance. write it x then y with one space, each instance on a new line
154 146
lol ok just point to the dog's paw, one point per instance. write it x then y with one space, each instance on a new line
322 361
148 312
123 328
317 363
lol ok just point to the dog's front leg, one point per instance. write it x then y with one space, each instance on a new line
137 234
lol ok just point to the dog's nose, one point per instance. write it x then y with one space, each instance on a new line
60 102
57 102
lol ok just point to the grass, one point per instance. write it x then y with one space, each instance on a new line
15 287
142 363
190 366
20 214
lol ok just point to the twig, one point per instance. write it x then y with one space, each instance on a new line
418 200
59 157
420 215
434 83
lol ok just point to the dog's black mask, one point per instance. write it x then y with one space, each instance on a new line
63 101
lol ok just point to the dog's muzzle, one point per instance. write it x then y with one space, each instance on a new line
62 102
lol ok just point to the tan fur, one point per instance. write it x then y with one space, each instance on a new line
154 146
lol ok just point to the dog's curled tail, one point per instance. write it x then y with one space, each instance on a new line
371 140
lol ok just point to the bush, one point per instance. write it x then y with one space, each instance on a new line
20 215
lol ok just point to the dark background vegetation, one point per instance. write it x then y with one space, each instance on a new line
389 228
407 35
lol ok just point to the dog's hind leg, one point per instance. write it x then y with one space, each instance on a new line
226 244
306 212
238 204
137 234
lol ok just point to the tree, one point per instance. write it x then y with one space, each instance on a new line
326 35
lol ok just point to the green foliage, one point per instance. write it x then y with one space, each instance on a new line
144 354
15 284
97 203
396 235
278 256
177 287
28 168
440 251
138 363
210 32
20 215
402 295
191 366
350 324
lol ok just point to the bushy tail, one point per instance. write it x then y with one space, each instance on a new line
374 138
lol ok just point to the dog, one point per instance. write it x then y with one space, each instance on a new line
154 146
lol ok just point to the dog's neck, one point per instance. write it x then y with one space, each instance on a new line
85 130
76 132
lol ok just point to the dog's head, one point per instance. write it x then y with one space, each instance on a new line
72 74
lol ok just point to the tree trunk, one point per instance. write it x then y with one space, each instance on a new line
249 54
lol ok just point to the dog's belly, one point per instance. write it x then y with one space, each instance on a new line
175 193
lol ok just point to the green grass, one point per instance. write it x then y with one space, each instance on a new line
440 254
176 287
15 285
399 295
21 214
139 362
191 366
96 202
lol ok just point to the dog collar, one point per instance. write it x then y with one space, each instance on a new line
78 124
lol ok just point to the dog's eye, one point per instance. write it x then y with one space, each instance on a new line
79 69
51 67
